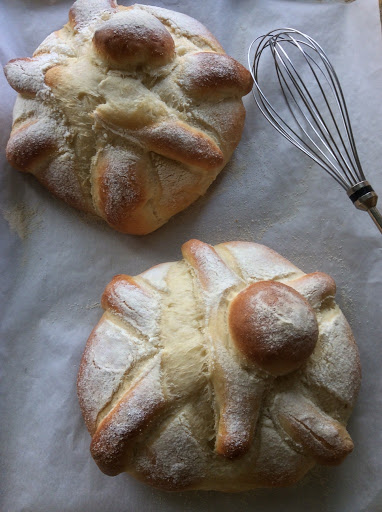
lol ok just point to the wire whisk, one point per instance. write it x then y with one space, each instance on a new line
317 119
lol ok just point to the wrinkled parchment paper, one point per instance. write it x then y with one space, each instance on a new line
56 262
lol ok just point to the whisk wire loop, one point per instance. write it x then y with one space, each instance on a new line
316 121
280 125
320 125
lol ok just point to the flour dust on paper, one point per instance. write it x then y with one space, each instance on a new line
21 219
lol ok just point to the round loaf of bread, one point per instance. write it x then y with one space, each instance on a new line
127 112
229 370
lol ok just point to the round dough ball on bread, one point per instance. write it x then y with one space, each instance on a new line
132 38
273 326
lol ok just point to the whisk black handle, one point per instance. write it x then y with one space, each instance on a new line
365 198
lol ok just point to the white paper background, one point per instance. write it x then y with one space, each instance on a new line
56 262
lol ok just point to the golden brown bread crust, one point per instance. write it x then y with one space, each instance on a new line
90 421
321 437
260 326
110 299
140 97
25 156
79 12
169 395
120 191
22 67
55 76
234 392
111 443
234 436
187 26
317 287
212 74
134 39
177 141
51 178
195 253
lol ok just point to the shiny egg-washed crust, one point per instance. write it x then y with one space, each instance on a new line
127 112
230 369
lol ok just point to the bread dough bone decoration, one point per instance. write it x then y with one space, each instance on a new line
230 369
127 112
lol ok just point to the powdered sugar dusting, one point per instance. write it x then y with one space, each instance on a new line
183 25
315 288
239 394
27 108
259 263
129 417
55 43
335 350
137 308
60 177
232 384
219 76
178 141
111 355
138 20
179 458
86 12
125 107
26 76
33 144
189 426
139 402
156 276
278 321
214 275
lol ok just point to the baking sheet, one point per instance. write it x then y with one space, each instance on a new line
56 262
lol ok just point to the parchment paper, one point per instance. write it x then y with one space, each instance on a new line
56 262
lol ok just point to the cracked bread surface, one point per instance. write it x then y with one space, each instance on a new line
127 112
174 388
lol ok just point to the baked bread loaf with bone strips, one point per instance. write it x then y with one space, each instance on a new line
127 112
229 370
